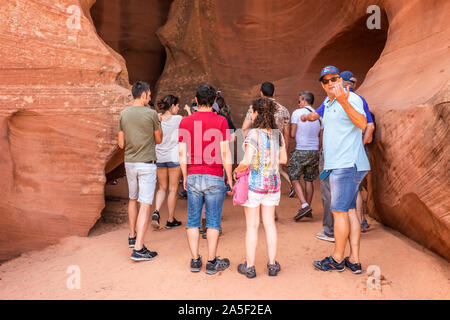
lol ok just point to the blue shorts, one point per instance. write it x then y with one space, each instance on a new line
209 190
161 165
344 188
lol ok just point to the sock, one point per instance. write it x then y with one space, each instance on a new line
304 205
213 261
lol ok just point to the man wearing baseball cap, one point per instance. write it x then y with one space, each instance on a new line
345 166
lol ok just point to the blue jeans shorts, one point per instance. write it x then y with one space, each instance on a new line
209 190
161 165
344 185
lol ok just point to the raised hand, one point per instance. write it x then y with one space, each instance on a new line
341 93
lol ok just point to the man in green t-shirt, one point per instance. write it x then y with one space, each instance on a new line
139 132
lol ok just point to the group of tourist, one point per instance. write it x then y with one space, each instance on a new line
163 146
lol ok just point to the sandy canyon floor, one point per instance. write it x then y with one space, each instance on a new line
408 270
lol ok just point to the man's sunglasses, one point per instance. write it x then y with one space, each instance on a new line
334 79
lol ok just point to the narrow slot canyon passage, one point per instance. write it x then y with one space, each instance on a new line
129 27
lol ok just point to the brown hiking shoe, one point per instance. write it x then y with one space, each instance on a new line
303 212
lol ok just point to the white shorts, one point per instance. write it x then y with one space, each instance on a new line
256 199
141 179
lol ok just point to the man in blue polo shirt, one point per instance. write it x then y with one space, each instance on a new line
327 234
345 162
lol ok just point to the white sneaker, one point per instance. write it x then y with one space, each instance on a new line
323 236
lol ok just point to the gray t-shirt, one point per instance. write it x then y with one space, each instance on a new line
138 124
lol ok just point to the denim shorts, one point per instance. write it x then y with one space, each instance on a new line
141 179
344 188
161 165
209 190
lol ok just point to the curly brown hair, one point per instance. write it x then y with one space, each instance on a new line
266 113
266 117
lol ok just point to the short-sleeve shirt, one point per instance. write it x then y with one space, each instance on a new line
264 173
167 150
139 124
342 142
202 132
281 115
307 134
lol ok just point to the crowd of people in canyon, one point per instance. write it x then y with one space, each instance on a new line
164 147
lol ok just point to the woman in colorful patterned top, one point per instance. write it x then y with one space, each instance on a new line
265 151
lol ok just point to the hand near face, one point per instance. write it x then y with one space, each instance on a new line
341 93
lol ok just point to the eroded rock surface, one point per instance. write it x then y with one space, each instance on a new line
60 96
129 27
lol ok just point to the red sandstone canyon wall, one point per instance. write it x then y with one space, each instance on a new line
61 90
129 27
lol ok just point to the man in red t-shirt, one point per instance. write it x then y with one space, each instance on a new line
204 152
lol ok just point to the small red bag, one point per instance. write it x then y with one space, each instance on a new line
240 188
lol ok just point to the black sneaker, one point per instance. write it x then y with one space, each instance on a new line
174 223
196 264
291 192
155 219
329 264
220 265
309 215
303 212
131 242
354 267
273 268
143 255
250 272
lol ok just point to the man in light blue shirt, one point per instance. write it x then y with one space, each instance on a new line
346 164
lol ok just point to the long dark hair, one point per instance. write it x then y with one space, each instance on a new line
165 103
223 107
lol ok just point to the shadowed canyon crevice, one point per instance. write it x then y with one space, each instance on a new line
62 89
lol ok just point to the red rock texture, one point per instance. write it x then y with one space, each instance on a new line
60 96
129 27
409 91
